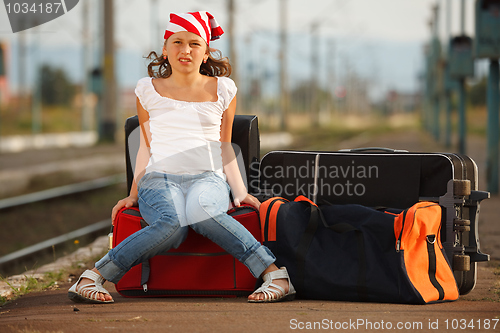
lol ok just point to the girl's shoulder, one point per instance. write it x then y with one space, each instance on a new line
226 80
227 90
143 90
227 84
144 82
143 85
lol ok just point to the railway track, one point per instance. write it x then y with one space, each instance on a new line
34 253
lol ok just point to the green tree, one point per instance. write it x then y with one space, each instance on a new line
56 88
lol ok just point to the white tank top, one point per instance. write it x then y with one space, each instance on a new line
185 136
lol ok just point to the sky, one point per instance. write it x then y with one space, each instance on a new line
381 41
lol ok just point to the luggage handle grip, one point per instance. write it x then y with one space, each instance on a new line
243 207
380 149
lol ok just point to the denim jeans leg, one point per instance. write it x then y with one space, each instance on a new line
157 201
207 201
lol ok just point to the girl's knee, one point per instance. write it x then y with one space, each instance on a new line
169 233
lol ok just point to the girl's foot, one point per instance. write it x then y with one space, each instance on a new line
89 289
276 287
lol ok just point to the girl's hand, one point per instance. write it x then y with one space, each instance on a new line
251 200
126 202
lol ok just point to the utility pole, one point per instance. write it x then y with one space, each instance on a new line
232 44
2 75
436 49
314 75
36 95
21 65
283 65
330 76
461 93
155 26
448 82
86 111
108 119
487 45
493 104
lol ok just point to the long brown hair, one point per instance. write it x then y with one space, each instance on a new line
216 65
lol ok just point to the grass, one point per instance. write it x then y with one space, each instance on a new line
476 121
17 120
50 280
350 128
338 128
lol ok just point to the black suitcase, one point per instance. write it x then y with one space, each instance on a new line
245 139
379 177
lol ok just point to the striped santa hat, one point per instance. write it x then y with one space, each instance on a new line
201 23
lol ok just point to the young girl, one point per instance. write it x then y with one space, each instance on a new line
186 109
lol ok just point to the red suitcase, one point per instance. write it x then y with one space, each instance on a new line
198 267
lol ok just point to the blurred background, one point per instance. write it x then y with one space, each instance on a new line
319 74
317 57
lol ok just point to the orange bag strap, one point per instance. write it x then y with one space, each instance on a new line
303 198
268 213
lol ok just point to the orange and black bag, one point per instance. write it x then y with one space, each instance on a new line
423 260
356 253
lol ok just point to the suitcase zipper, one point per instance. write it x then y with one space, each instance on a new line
398 241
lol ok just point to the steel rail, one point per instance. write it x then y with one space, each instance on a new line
31 250
62 191
55 193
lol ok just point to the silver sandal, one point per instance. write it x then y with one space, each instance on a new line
276 293
88 293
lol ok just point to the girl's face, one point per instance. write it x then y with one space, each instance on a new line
185 51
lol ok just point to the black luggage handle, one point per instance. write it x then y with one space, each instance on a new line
237 210
375 149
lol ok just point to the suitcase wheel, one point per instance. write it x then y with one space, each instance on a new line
461 187
461 262
461 225
461 222
461 228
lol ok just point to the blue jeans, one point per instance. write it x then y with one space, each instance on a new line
170 204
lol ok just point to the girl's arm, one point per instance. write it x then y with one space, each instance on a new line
230 163
142 160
